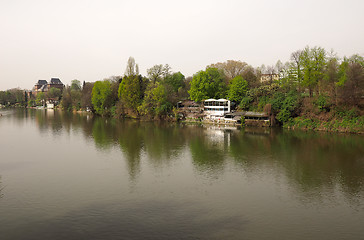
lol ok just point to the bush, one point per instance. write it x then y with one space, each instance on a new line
245 103
323 103
284 115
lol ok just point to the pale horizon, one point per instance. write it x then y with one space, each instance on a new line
92 40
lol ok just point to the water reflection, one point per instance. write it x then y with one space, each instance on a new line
144 220
312 163
1 189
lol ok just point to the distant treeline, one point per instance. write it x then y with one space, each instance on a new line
314 84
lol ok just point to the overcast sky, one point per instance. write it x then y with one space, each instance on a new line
91 40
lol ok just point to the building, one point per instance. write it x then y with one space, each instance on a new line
216 108
55 83
268 78
44 86
40 86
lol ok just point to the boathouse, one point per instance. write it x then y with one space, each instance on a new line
216 108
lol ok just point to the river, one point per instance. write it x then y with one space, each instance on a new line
74 176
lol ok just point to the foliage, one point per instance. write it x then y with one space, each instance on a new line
313 63
131 91
246 102
207 84
13 96
132 68
230 68
176 81
54 93
40 100
76 85
158 72
100 93
237 89
155 102
323 103
284 115
86 95
351 80
353 125
66 102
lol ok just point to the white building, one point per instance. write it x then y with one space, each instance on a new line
216 108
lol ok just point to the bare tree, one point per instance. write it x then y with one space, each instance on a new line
130 67
296 58
158 72
231 68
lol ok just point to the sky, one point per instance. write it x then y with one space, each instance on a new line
90 40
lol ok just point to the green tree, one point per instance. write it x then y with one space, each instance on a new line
131 92
207 84
54 93
176 81
76 85
40 100
155 103
237 89
100 94
331 77
66 102
313 61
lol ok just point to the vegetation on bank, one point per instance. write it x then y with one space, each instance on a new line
315 90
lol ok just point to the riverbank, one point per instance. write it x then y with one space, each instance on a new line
345 125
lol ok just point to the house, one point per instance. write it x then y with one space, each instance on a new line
55 83
216 108
269 77
44 86
40 86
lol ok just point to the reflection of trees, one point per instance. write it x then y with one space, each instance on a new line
1 189
102 132
163 142
311 161
208 148
324 160
130 137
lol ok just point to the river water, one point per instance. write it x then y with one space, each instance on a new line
74 176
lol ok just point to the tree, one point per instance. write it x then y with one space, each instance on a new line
76 85
54 93
237 89
158 72
331 77
100 94
231 68
351 80
279 66
156 102
296 68
66 102
313 62
86 95
131 68
207 84
131 91
40 100
175 80
249 74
